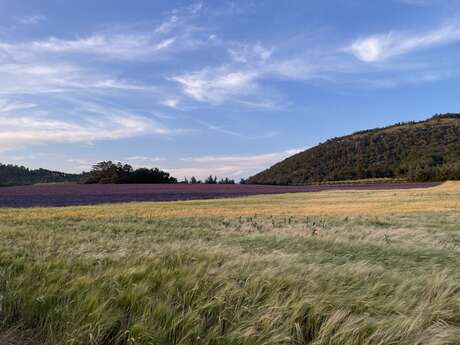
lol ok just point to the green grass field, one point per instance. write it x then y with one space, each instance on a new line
363 267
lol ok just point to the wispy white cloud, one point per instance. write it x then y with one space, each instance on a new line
296 69
19 131
171 103
30 20
80 164
217 85
196 7
38 78
222 129
7 106
234 166
243 84
22 158
266 158
144 159
167 26
120 46
380 47
70 120
176 33
116 46
245 53
241 79
236 79
225 130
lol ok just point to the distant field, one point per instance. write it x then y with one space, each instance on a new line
336 267
78 194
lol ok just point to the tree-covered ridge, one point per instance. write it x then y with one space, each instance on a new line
417 151
18 175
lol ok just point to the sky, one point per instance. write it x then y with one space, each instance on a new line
215 87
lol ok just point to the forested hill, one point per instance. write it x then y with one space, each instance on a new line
417 151
17 175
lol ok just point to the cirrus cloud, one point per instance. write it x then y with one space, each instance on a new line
30 20
381 47
217 85
19 131
233 166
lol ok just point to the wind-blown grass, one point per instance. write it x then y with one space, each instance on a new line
128 274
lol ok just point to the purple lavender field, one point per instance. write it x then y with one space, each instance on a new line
79 194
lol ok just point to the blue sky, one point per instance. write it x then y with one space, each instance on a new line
221 87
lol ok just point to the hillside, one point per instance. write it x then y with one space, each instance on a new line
417 151
11 175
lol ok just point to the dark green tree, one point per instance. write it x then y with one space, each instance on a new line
211 180
118 173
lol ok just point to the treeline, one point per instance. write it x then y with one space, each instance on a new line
209 180
119 173
13 175
415 151
102 172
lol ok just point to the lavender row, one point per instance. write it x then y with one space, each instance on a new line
75 194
